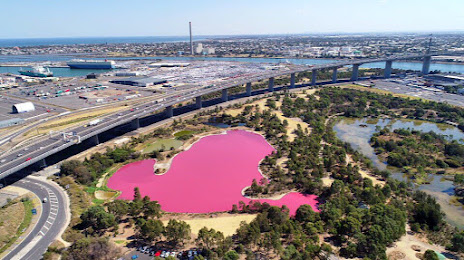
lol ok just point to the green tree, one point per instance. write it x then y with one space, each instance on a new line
118 208
430 255
458 242
152 209
97 218
137 195
209 237
231 255
151 229
177 231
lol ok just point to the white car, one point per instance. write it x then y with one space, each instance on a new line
45 200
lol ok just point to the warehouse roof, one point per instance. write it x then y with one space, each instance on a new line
10 122
143 80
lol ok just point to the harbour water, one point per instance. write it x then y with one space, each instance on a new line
350 131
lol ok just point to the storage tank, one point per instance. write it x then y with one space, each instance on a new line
23 107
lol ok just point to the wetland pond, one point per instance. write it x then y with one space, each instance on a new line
358 132
207 177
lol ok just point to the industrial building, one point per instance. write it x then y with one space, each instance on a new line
23 107
11 122
139 81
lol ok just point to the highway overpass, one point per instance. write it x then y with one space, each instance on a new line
37 152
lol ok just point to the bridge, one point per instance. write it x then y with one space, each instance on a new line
37 152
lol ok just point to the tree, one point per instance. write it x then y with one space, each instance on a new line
92 248
152 209
177 231
209 237
305 213
118 208
151 229
67 167
430 255
231 255
97 218
137 195
458 242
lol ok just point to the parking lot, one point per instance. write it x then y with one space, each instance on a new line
421 92
6 110
152 253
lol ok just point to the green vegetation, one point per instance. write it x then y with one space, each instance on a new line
162 145
184 135
357 217
26 221
92 169
415 151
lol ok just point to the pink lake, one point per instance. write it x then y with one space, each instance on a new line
208 177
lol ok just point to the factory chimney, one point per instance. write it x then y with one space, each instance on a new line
191 39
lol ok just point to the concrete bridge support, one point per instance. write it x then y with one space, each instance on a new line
355 73
225 95
94 140
426 65
41 164
314 77
169 111
292 80
388 69
334 75
248 89
135 124
198 102
271 84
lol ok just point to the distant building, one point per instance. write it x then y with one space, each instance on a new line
199 49
209 51
127 74
23 107
91 76
139 81
11 122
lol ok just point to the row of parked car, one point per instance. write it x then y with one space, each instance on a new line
188 254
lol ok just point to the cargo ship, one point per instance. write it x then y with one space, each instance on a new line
91 64
36 71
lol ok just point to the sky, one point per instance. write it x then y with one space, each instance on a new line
105 18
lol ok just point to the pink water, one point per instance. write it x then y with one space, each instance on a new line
209 177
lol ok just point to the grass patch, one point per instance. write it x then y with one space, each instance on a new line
160 144
27 206
120 242
183 133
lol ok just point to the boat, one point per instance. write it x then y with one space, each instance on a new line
91 64
36 71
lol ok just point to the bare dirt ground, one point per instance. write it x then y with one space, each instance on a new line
406 245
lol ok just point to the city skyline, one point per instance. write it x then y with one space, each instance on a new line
71 19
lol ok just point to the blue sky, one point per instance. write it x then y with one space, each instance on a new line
77 18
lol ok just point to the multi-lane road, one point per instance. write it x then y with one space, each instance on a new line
51 221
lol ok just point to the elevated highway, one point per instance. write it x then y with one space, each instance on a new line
37 153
